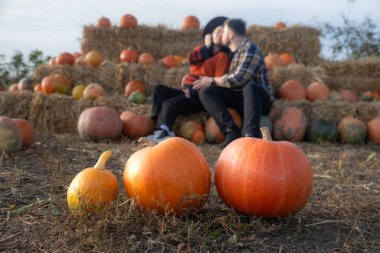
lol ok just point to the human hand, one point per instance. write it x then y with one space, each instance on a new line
208 40
187 93
202 82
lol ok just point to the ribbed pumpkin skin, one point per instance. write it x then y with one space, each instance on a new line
373 127
352 131
10 135
98 123
321 130
160 176
291 126
264 178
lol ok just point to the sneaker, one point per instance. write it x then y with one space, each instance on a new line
230 137
160 135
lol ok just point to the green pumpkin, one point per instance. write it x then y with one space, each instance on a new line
321 130
10 135
352 131
137 97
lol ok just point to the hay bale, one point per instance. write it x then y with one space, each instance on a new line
160 41
357 84
299 72
300 41
368 111
105 74
15 104
368 67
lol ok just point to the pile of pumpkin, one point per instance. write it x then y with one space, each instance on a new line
174 177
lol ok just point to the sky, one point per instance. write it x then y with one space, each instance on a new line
55 26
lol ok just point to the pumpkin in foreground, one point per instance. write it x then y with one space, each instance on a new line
93 187
264 178
171 176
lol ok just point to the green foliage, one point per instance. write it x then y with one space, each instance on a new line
18 67
353 40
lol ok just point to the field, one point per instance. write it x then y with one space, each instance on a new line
343 214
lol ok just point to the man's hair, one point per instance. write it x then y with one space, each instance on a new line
236 25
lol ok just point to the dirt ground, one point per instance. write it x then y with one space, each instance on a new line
343 214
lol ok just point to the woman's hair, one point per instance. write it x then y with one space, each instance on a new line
236 25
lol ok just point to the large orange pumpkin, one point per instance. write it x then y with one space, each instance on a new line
213 133
132 86
146 59
136 125
190 23
10 135
264 178
65 59
172 176
373 127
27 132
291 126
128 21
98 123
128 55
292 90
317 91
103 22
93 187
93 58
93 91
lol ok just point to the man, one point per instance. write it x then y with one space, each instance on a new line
245 88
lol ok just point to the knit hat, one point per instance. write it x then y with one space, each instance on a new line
212 24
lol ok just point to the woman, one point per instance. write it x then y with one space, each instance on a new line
209 60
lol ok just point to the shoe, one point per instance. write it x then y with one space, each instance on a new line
160 135
230 137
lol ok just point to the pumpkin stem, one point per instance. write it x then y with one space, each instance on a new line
266 133
104 157
147 142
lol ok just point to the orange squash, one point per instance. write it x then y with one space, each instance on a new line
136 125
146 59
317 91
352 131
172 176
190 23
48 84
132 86
292 90
272 60
264 178
62 83
291 126
99 123
65 59
128 21
169 62
27 132
373 127
93 187
128 55
193 131
287 58
10 135
103 22
280 26
93 91
93 58
213 133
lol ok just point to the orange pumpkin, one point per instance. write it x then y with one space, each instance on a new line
136 125
213 133
38 88
128 21
190 23
317 91
280 26
93 58
65 59
133 86
10 135
352 131
98 123
169 62
349 95
264 178
13 87
198 137
128 55
172 176
48 84
103 22
27 132
291 126
93 91
292 90
287 58
146 59
272 60
93 187
179 59
373 127
193 131
62 83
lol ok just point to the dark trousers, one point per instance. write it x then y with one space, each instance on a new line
168 103
251 102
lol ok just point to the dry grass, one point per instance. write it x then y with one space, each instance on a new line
343 213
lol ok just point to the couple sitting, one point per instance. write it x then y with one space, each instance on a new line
227 72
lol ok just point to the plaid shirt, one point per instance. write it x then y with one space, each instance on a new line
247 65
